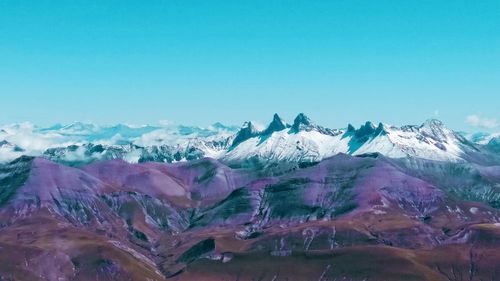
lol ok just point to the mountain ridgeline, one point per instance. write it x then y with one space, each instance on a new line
301 142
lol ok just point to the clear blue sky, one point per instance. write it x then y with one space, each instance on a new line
198 62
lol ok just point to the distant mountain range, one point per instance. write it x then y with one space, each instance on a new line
301 141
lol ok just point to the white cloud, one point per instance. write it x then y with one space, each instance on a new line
484 122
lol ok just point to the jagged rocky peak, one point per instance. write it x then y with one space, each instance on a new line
350 128
275 126
247 131
380 129
435 129
367 129
301 122
249 127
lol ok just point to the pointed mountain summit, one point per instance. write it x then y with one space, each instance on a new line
435 129
247 131
433 123
365 130
380 129
275 126
301 123
350 128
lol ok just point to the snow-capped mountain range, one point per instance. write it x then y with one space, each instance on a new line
300 141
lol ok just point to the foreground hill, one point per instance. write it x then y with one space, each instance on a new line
366 217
